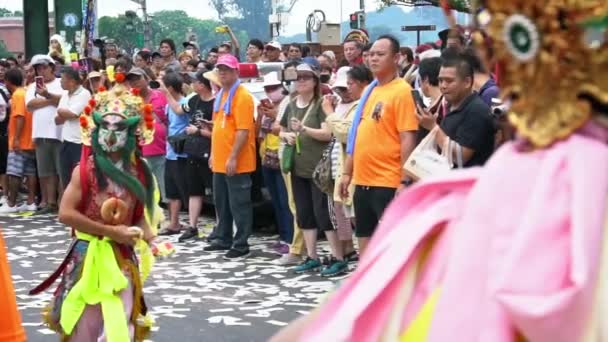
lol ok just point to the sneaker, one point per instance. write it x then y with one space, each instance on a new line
337 267
48 210
27 207
190 233
234 254
288 260
6 209
308 265
3 200
283 249
352 257
213 248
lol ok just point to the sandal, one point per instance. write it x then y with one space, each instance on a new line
168 232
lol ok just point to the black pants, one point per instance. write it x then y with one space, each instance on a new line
312 210
69 157
370 202
232 197
175 180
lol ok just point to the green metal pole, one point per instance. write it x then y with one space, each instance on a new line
68 21
36 26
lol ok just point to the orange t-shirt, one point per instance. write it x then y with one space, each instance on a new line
224 132
18 109
377 154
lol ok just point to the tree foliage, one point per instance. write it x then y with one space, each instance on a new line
8 13
166 24
4 53
250 16
115 28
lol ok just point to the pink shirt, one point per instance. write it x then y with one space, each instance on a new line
158 145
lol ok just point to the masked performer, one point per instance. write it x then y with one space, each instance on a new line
111 205
514 251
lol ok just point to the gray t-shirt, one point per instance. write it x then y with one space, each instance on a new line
311 150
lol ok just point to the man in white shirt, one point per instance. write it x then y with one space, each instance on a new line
71 105
41 99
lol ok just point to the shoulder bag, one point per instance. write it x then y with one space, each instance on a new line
321 176
426 161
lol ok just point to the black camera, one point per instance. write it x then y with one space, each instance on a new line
499 109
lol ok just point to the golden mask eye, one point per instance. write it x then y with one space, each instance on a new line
521 37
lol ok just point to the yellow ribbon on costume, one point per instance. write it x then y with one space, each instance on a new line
418 330
146 258
100 283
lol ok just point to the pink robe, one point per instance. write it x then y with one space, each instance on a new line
517 249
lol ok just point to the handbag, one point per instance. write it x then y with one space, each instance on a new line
288 158
178 142
197 147
425 161
321 176
271 158
289 152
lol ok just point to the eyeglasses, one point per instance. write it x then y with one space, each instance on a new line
305 77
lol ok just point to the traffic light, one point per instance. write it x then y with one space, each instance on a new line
354 21
357 20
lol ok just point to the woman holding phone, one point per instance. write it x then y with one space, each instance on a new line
304 127
269 143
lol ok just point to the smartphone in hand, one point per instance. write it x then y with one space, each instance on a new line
39 81
266 103
418 99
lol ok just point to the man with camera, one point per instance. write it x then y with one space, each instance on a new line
468 121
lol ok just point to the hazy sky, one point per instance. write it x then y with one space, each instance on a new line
296 23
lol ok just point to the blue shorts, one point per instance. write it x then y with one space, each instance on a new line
21 163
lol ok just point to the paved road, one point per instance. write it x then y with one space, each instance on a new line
193 295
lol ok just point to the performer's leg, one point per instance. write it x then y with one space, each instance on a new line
90 325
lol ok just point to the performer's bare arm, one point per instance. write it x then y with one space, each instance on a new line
148 234
70 215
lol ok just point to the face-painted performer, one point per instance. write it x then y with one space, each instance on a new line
111 204
516 250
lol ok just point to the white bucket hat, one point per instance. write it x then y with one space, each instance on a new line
271 79
341 77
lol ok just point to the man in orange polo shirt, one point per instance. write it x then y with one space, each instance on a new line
381 140
232 161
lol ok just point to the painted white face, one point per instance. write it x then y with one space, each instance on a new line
113 133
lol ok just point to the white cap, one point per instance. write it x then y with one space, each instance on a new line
42 59
329 54
307 67
271 79
341 77
429 54
274 44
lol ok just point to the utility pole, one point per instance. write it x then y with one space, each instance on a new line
147 31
